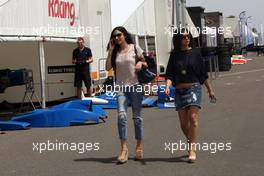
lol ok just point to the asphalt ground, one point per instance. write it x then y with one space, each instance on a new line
235 123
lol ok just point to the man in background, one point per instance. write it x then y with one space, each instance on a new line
82 57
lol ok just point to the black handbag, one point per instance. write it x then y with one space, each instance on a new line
144 76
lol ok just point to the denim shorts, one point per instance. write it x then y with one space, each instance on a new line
188 97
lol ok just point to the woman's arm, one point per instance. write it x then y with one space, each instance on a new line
203 76
168 84
209 89
201 69
108 64
169 75
208 86
141 62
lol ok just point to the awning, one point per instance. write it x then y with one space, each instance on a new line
49 18
35 39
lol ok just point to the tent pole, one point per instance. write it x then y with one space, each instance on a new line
146 45
173 13
136 39
178 14
183 6
42 73
156 40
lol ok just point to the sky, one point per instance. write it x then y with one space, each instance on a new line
122 9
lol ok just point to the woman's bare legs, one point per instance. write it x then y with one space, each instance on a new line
184 121
193 114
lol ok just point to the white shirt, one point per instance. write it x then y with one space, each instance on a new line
125 66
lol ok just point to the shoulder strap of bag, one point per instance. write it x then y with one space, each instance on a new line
135 50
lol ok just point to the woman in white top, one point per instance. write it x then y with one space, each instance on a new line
122 58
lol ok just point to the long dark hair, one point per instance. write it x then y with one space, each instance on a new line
177 39
128 39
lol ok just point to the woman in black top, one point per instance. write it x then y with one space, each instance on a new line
187 73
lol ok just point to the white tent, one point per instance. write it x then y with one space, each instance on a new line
211 37
52 25
157 18
261 38
232 27
143 20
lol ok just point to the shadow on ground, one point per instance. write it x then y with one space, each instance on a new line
113 160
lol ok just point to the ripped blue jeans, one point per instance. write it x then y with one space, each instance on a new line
135 99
